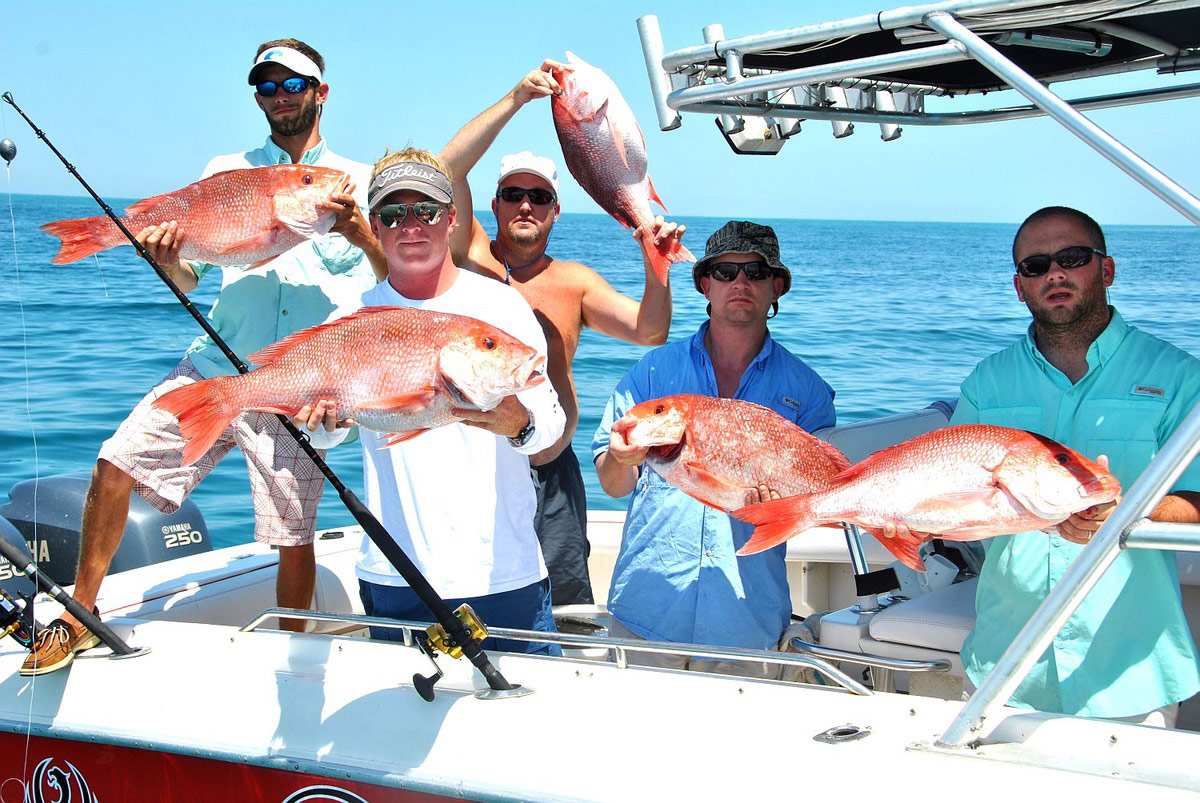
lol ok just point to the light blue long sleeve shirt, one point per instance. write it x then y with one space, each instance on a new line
315 281
676 577
1127 649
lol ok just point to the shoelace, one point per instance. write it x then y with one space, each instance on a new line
56 630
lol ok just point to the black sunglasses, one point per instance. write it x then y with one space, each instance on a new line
537 196
755 271
392 215
1073 256
292 86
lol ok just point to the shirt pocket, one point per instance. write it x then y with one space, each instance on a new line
1124 430
1127 458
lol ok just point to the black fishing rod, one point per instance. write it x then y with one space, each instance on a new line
460 636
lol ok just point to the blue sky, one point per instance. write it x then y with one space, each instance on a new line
139 95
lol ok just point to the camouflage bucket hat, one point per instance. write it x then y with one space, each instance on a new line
742 237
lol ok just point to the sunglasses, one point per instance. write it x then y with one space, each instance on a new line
292 86
1074 256
755 271
392 215
537 197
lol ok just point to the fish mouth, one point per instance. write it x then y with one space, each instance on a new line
670 451
1101 485
531 374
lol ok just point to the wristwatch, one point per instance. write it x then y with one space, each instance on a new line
522 437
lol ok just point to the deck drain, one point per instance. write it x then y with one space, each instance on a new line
843 733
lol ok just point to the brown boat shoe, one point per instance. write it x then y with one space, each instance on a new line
55 647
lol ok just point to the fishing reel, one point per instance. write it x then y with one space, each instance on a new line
16 619
442 641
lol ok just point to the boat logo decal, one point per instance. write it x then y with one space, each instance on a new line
319 794
51 783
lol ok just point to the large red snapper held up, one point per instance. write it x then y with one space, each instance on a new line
959 483
238 217
393 369
606 153
720 450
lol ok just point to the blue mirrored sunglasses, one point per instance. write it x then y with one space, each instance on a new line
292 86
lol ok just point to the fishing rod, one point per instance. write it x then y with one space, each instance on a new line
458 635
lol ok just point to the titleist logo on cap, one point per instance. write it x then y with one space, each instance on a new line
410 170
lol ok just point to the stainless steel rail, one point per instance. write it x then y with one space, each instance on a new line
882 662
619 646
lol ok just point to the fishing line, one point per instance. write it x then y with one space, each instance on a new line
12 221
460 635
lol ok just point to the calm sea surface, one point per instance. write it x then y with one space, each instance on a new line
893 315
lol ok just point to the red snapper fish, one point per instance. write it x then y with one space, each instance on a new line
393 369
238 217
959 483
720 450
606 153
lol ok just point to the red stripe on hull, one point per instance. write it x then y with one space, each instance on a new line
43 769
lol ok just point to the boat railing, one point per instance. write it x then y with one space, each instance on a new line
807 656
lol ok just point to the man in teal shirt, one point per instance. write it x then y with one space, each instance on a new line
306 285
1086 378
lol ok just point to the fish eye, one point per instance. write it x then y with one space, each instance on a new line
307 179
1062 458
660 409
488 343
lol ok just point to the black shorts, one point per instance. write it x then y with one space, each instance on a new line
561 524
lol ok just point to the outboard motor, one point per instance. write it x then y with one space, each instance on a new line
150 536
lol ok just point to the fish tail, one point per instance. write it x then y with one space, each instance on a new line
203 412
81 237
776 521
663 257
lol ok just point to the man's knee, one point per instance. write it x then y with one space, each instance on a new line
107 479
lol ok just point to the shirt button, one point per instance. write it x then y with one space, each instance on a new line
708 553
284 312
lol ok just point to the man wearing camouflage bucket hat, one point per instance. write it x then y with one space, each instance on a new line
677 577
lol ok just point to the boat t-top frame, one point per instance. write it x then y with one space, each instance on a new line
880 68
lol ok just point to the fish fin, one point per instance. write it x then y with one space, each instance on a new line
81 237
776 521
146 204
271 353
667 253
711 482
254 242
906 551
654 195
202 412
393 438
258 264
407 403
840 461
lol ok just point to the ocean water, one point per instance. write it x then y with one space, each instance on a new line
892 315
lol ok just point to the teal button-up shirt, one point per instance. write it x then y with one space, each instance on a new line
1127 649
313 282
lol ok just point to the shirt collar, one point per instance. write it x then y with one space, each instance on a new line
278 155
760 361
1102 348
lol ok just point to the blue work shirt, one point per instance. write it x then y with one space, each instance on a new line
676 577
1127 649
306 285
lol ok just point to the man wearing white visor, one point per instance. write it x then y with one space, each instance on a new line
566 296
317 280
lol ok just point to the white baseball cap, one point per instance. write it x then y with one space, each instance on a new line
288 57
526 162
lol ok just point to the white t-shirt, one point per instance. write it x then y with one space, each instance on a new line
459 500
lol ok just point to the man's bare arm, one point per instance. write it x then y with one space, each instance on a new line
468 146
647 323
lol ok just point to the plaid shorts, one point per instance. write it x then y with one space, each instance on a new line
285 485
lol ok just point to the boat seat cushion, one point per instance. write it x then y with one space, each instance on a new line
939 620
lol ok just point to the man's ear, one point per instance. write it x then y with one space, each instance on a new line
1109 269
1017 286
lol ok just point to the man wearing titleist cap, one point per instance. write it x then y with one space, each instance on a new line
566 296
304 286
677 577
457 499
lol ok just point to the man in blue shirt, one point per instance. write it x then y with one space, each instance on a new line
304 286
1089 380
677 577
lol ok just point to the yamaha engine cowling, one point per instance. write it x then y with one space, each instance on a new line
12 580
54 507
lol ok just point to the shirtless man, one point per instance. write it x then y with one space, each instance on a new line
565 296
